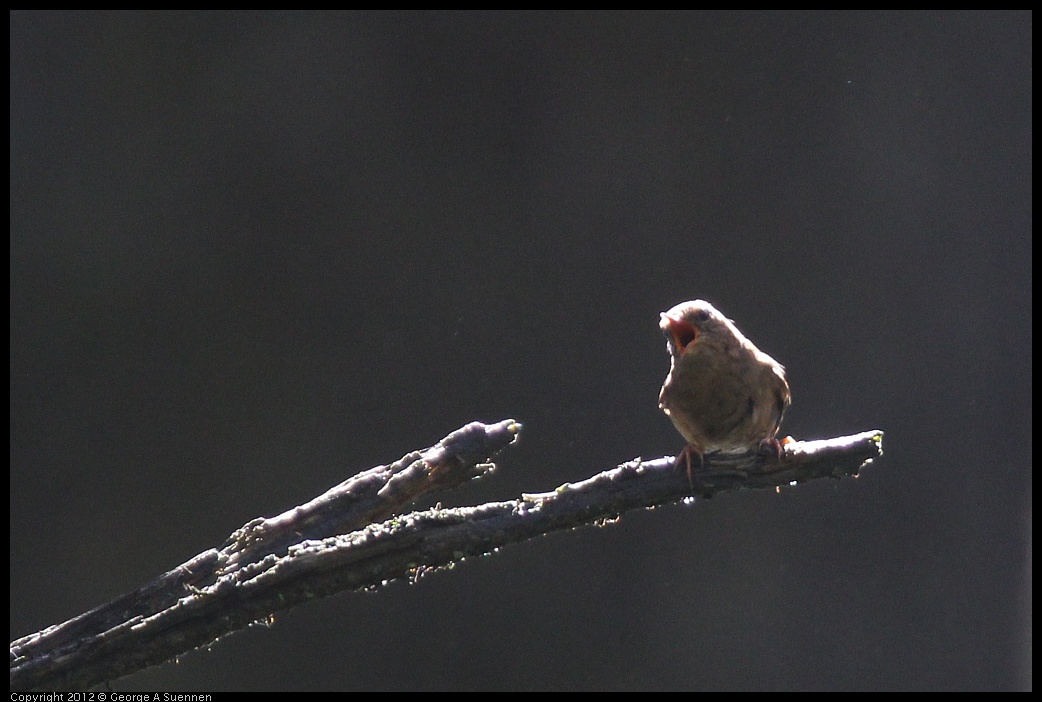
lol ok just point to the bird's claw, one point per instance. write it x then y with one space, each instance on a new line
684 459
775 446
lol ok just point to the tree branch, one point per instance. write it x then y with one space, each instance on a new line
348 539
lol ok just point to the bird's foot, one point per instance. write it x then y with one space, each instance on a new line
684 459
775 446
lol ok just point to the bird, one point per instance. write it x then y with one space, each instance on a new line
721 393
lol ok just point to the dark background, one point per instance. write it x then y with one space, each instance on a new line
252 254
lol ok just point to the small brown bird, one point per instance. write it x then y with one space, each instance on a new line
721 392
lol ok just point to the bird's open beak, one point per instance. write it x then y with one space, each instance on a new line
682 333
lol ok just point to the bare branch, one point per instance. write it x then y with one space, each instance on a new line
329 545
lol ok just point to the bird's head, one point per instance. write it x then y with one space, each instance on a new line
686 323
